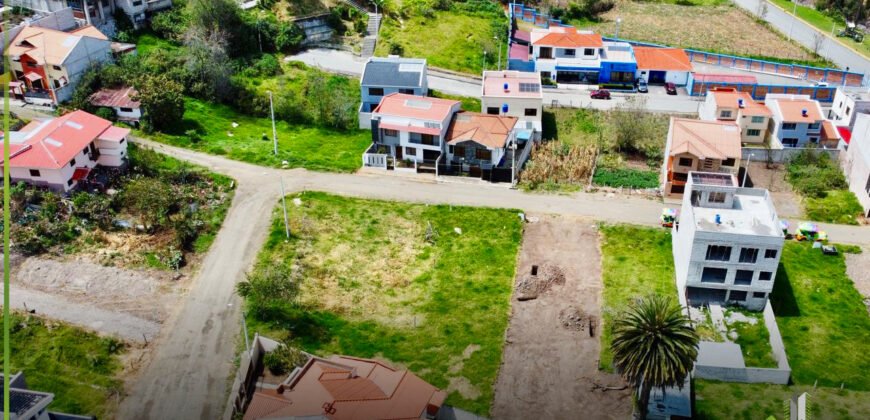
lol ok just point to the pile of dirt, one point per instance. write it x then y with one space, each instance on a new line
538 280
574 319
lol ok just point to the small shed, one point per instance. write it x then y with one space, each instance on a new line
119 100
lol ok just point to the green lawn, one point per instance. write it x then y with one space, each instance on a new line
468 103
626 177
837 206
825 23
636 262
147 41
79 367
375 287
754 340
733 401
822 318
301 146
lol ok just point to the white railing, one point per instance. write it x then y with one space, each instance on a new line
374 160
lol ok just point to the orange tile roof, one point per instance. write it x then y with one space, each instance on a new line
568 37
730 99
90 31
704 139
792 110
47 45
491 131
411 106
668 59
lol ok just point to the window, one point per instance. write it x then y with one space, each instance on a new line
72 162
531 112
589 52
376 91
743 277
686 161
814 126
126 109
391 133
713 275
34 172
482 154
137 3
737 295
31 63
492 110
570 52
407 91
728 162
450 149
769 253
718 253
814 140
716 197
765 275
789 126
545 52
757 120
759 295
848 109
428 139
681 177
789 142
56 68
748 255
410 151
545 75
725 114
56 84
68 183
753 132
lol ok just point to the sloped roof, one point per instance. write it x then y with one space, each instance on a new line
119 97
47 45
396 72
792 109
419 107
730 98
55 142
558 36
668 59
351 388
491 131
90 31
829 132
705 139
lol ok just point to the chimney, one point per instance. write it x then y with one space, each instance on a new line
740 102
804 112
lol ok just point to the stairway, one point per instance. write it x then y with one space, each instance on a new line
371 39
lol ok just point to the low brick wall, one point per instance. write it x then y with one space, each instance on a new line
760 154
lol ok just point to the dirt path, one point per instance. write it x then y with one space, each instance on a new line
548 368
772 179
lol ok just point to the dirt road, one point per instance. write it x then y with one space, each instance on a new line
550 360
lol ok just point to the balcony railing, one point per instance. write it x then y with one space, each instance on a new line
37 93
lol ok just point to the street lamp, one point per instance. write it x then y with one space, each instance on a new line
498 45
274 131
618 21
746 171
793 18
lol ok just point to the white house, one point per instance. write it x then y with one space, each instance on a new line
120 101
848 103
566 55
99 12
857 162
752 117
58 153
412 128
663 65
383 76
727 243
515 94
798 121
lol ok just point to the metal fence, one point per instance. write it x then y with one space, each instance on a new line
758 91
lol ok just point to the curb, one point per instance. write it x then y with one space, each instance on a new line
849 47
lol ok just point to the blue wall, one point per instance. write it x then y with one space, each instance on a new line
607 67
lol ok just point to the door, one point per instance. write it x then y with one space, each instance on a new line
399 152
656 77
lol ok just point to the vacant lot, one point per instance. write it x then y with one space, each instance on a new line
635 262
708 27
80 368
826 197
733 401
222 130
822 318
549 343
424 287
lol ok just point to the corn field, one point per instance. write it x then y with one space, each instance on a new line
555 163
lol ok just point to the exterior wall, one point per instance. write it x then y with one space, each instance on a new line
608 67
132 115
369 102
746 124
111 153
405 138
57 179
679 78
845 109
516 108
857 162
802 132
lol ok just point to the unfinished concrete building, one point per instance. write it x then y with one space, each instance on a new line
727 244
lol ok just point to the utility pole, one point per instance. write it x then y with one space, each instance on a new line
793 18
498 45
274 131
484 59
284 204
7 225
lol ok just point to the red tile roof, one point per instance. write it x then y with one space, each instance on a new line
419 107
730 98
54 143
491 131
704 139
568 37
668 59
792 109
119 97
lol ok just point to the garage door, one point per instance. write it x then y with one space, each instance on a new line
656 77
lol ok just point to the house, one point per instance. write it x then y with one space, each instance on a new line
663 65
727 243
344 387
99 12
515 94
848 103
383 76
566 55
410 129
857 162
725 104
798 121
25 404
618 65
58 153
119 100
696 145
480 142
48 63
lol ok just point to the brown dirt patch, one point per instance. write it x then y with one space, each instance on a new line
538 280
858 269
772 178
550 371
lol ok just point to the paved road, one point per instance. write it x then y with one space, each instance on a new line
803 33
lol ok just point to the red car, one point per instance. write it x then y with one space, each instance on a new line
670 88
600 94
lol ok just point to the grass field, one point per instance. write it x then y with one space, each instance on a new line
822 318
824 23
375 287
301 146
79 367
636 262
837 206
468 103
734 401
754 340
147 41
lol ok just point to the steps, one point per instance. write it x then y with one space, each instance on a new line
371 39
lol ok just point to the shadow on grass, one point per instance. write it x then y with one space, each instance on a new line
183 127
550 130
782 298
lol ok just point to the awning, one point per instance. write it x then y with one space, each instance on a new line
411 128
80 174
33 76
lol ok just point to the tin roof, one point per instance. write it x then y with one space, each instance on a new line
119 97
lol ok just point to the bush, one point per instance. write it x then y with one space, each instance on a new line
106 113
813 174
631 178
284 358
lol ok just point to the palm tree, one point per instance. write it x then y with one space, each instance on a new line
654 345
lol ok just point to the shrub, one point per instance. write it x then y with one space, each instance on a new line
284 358
106 113
813 174
631 178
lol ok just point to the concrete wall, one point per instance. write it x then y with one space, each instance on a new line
782 155
517 108
845 109
373 100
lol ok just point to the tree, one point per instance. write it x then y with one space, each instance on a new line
225 17
162 101
818 42
208 64
151 198
654 345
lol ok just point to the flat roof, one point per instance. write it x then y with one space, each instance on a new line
720 354
724 78
520 84
620 52
752 214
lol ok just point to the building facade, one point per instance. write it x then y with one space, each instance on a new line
663 65
752 117
515 94
696 145
798 121
477 142
566 55
385 76
848 103
856 163
411 128
727 244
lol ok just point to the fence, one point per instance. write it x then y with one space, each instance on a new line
531 14
245 381
759 154
759 91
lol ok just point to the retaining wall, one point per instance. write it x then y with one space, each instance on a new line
782 155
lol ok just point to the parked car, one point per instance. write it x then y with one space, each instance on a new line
600 94
670 88
642 87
